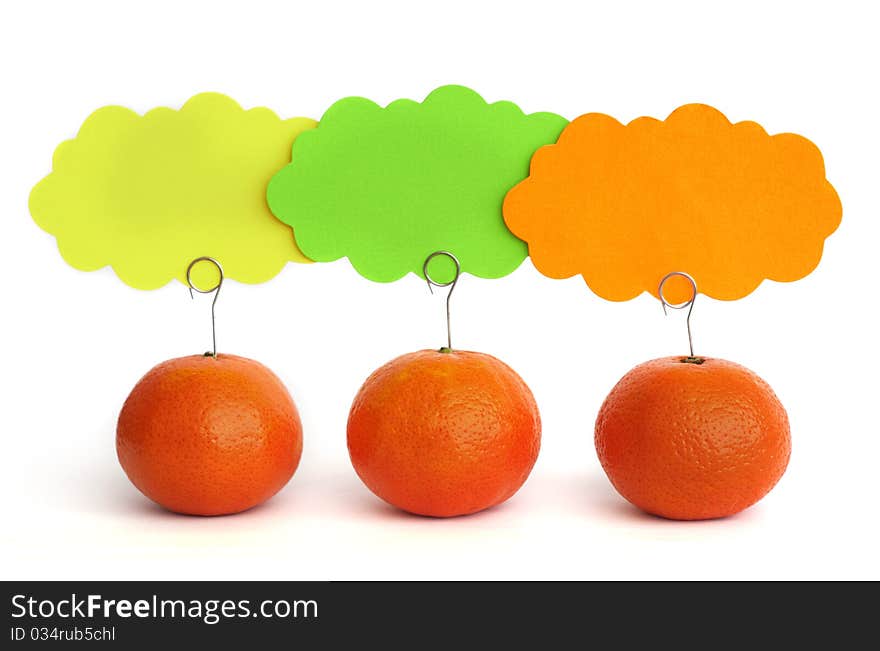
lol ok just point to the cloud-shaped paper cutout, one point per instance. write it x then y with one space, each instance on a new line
148 194
622 205
386 187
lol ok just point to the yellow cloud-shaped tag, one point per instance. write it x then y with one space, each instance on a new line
623 205
148 194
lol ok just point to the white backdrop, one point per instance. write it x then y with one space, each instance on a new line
75 343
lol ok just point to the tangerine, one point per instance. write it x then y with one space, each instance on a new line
209 436
692 438
444 433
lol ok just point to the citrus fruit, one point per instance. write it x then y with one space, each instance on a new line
444 433
692 438
209 436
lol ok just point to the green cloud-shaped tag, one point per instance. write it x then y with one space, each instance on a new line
386 187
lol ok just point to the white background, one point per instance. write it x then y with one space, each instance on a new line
74 343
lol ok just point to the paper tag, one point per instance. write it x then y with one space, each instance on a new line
386 187
148 194
622 205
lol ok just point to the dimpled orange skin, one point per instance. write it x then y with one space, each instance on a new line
444 433
692 441
205 436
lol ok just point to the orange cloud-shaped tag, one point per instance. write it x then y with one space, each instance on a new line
622 205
